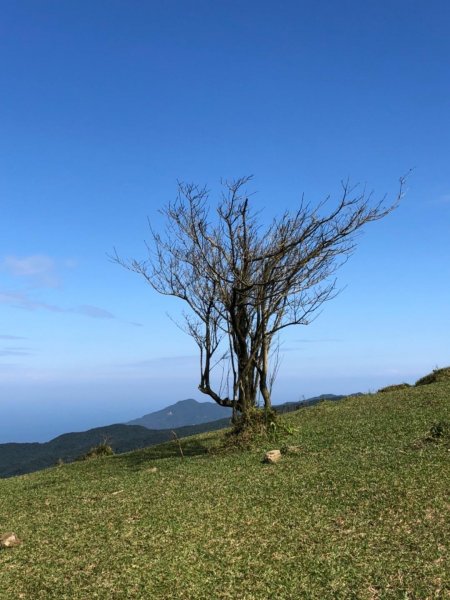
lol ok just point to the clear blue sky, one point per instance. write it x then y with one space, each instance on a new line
105 104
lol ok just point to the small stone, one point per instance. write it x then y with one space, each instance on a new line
152 470
272 456
8 540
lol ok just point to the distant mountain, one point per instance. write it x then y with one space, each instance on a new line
17 459
184 412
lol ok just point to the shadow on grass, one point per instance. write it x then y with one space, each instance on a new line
189 448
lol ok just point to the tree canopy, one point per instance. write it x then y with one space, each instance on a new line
245 283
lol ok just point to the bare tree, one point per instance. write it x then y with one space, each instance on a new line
245 284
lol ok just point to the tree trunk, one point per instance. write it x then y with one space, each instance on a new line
263 373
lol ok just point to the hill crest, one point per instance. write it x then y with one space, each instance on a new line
182 413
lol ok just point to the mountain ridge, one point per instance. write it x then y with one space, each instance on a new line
18 458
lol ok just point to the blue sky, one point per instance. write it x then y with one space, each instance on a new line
104 105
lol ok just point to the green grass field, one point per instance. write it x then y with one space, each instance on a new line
361 512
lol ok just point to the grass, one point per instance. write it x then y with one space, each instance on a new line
437 376
102 449
394 388
360 512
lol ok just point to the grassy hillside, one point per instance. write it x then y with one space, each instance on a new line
361 512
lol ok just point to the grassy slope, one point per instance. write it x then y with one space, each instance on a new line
361 512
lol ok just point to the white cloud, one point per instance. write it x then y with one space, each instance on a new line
25 301
38 268
15 351
93 311
22 300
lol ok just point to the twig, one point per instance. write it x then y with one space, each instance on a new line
177 439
